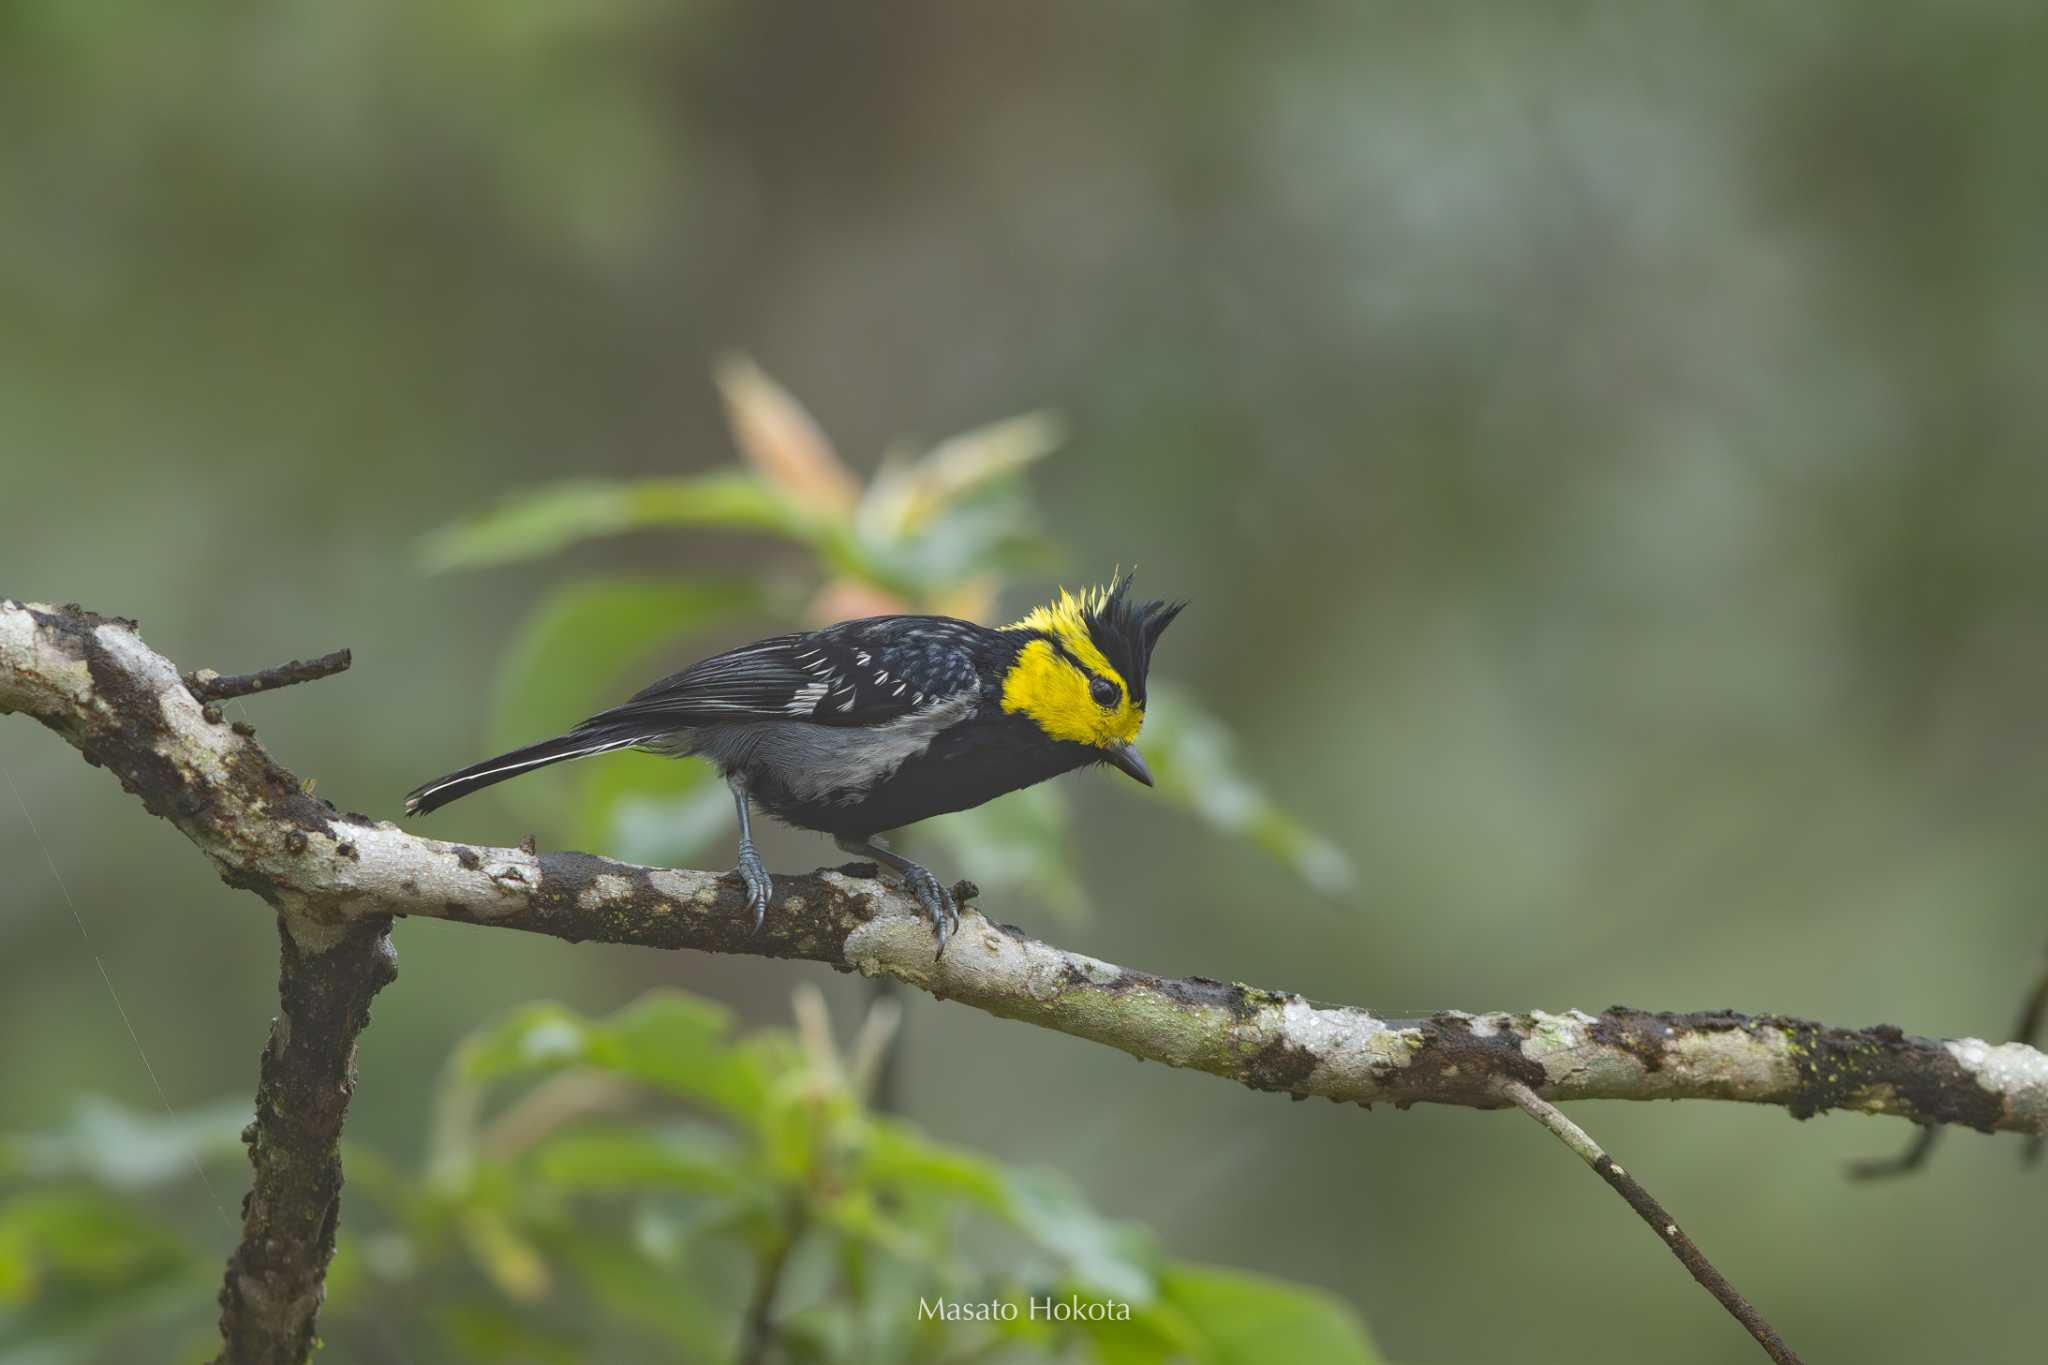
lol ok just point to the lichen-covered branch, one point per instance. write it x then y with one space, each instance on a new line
126 708
2033 1012
277 1276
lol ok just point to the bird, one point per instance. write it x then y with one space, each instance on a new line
863 727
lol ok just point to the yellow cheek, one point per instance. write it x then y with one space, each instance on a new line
1054 694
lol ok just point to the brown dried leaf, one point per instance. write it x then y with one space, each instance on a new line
908 494
782 441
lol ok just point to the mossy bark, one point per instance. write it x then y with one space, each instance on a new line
276 1279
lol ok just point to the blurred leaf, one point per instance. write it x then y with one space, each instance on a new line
675 1042
993 530
81 1237
76 1266
683 1157
1105 1258
1190 752
679 1043
511 1262
1017 843
663 1224
858 1216
690 1314
580 639
561 1101
773 431
898 1160
540 521
124 1148
905 496
1251 1320
537 1037
1154 1334
481 1330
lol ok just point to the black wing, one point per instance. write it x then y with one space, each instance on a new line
856 673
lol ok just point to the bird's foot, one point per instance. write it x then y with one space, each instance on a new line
759 885
937 901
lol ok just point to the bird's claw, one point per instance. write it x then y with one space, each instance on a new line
937 901
759 885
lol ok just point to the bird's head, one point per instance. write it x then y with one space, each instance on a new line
1079 673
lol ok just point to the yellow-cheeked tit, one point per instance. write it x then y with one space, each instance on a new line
866 726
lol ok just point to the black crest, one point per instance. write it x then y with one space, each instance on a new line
1125 631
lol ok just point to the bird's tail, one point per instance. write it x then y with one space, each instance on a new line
576 744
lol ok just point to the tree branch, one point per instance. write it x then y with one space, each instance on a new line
208 685
277 1277
1650 1211
2028 1031
336 878
124 707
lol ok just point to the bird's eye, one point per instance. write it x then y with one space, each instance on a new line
1106 693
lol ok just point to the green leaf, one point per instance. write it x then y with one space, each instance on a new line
678 1043
896 1155
1016 844
128 1149
82 1237
1190 752
993 529
653 1296
667 1039
486 1332
1104 1258
75 1267
542 1036
1153 1334
507 1257
577 642
688 1157
1248 1319
541 521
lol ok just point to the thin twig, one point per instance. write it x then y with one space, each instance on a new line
210 686
1651 1212
1911 1159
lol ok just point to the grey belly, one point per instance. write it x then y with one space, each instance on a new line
821 763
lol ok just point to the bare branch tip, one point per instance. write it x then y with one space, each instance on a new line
208 686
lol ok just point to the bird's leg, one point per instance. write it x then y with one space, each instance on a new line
759 887
931 893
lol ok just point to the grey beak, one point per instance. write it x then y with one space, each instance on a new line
1126 757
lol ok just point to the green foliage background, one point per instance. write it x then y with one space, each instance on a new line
1602 445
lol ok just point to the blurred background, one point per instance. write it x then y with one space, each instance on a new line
1602 447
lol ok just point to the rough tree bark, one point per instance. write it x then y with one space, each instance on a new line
277 1276
335 879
